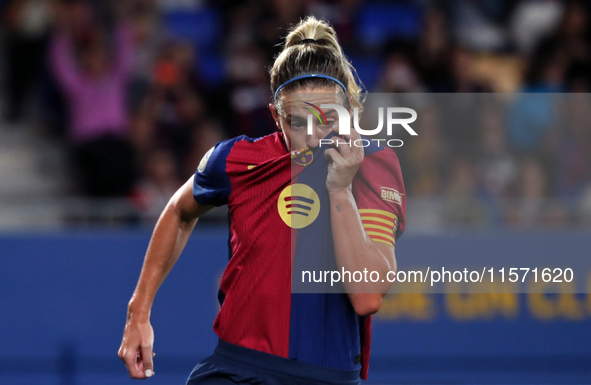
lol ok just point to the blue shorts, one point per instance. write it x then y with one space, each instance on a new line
233 364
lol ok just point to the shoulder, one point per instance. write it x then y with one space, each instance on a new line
380 158
215 158
212 182
244 150
241 149
268 146
381 176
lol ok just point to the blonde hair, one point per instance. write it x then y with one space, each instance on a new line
312 47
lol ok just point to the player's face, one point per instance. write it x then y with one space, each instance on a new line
293 120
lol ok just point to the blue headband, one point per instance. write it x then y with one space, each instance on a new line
310 76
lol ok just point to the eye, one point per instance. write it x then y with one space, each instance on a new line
329 123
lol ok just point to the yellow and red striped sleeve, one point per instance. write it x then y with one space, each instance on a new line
380 225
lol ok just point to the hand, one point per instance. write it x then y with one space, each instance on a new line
136 348
344 161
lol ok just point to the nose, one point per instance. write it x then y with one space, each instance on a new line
312 141
320 132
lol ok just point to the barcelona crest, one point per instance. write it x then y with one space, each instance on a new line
302 157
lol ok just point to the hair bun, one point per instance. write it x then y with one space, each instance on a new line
312 47
312 30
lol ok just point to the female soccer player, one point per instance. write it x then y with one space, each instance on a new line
287 196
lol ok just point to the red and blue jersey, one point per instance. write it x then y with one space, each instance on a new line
278 210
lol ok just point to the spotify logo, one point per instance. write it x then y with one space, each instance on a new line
298 205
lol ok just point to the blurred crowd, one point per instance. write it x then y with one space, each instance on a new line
139 90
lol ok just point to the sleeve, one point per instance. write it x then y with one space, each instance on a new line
380 197
211 185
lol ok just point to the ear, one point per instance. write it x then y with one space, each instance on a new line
275 115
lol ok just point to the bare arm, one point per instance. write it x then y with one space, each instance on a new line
168 241
63 63
354 249
124 50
